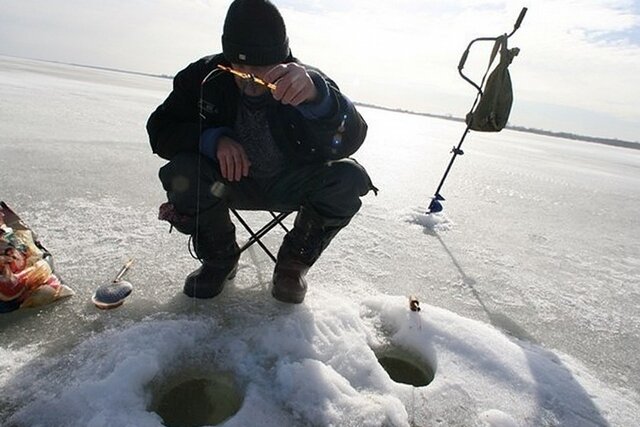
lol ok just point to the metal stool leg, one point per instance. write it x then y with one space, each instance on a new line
256 236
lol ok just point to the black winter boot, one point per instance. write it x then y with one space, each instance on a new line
209 280
300 249
215 245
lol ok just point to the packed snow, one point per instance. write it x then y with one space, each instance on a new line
527 281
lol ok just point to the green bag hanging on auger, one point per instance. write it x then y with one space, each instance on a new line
491 108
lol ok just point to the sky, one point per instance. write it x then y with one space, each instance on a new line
578 70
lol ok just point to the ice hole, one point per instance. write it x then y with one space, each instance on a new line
196 400
404 367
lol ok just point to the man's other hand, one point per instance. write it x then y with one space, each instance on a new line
233 160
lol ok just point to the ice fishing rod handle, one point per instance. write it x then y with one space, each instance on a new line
520 18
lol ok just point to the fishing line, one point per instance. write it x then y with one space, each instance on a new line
196 236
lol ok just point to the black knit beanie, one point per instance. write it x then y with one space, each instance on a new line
254 33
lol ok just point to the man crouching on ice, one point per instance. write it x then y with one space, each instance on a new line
234 143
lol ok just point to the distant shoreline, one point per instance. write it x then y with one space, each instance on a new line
565 135
558 134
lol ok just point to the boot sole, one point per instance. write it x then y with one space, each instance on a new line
230 276
287 297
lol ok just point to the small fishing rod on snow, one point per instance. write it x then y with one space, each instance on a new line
491 108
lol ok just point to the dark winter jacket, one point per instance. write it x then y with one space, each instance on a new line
175 125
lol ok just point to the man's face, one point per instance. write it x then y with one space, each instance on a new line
247 86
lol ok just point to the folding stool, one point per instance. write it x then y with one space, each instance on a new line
277 219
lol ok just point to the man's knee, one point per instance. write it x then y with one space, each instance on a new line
345 182
351 176
190 182
181 173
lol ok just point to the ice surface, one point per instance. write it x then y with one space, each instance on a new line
528 280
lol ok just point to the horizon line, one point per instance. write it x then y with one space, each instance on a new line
519 128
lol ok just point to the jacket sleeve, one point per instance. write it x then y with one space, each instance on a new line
174 126
342 130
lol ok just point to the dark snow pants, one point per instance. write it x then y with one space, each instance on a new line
332 190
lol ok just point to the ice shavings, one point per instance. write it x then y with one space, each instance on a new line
432 222
109 374
315 365
334 400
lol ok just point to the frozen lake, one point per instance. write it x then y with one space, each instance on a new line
529 282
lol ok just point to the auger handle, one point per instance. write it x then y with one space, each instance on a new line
520 18
465 55
463 59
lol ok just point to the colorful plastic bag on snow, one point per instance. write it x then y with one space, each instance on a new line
27 277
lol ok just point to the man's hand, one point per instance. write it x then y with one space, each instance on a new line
233 160
294 85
